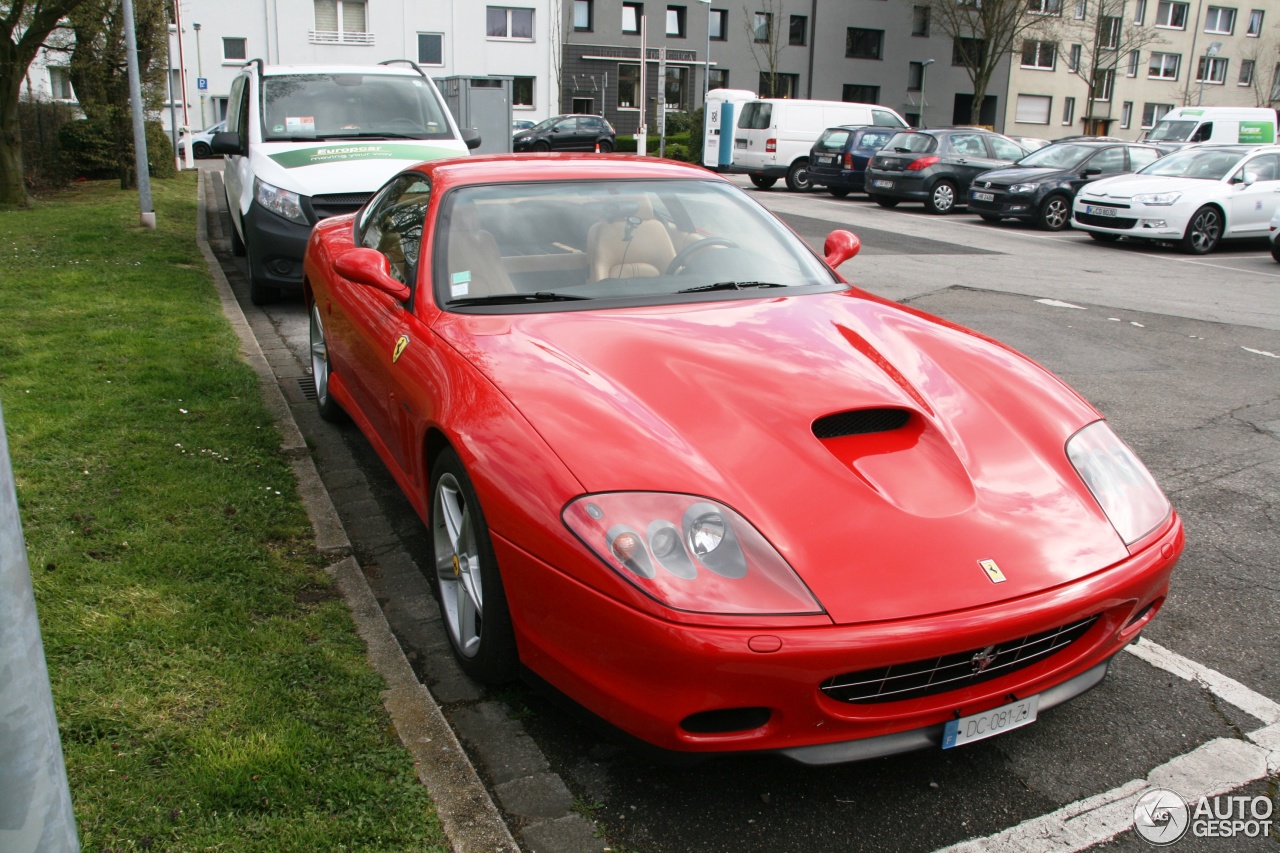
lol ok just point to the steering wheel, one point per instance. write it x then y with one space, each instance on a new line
682 257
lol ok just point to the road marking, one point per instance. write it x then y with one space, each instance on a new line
1260 352
1057 303
1217 767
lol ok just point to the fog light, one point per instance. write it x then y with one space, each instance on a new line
1158 224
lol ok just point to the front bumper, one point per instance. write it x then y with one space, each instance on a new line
1148 222
650 677
1021 206
275 248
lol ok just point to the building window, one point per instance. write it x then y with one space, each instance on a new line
1246 73
1126 115
522 92
1220 20
967 51
431 48
1140 12
583 17
1108 32
863 44
515 24
1255 23
762 27
1045 7
675 21
1033 109
783 85
915 76
175 86
1073 58
341 22
920 21
1039 54
799 32
719 78
628 87
1135 62
1171 15
675 87
719 24
854 93
60 84
1275 83
1068 110
1217 70
1104 80
632 13
1164 66
1152 113
234 50
1082 9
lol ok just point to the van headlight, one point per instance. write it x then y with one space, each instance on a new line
1120 483
280 202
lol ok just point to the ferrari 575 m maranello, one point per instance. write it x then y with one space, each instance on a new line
674 466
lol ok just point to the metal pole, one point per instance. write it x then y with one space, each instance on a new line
706 76
199 71
173 118
924 70
35 800
148 214
661 115
642 133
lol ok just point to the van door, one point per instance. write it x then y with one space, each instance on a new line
235 167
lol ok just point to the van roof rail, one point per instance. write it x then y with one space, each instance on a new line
408 62
258 62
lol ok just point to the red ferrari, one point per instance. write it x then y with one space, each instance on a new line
678 468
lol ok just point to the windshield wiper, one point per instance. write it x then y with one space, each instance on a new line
730 285
516 298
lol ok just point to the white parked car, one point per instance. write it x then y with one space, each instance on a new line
200 141
1275 235
1196 197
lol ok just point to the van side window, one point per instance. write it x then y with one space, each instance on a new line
881 118
1203 132
237 109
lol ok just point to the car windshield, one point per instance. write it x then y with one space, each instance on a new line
1171 131
547 123
1061 156
911 143
1209 164
580 243
351 106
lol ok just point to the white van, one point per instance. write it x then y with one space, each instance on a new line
1248 125
774 135
304 142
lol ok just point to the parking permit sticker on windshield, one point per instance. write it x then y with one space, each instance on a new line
460 284
300 124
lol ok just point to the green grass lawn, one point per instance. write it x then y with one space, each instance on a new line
211 691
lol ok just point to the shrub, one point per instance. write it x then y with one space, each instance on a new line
89 150
41 123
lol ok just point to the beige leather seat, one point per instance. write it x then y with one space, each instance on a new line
473 257
633 247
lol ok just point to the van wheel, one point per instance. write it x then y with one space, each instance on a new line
798 177
838 192
763 182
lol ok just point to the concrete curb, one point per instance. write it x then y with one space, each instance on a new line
468 815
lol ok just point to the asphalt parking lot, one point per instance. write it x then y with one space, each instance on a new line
1181 354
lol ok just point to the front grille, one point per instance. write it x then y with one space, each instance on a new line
951 672
337 204
860 422
1105 221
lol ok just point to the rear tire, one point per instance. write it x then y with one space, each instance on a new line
200 150
1204 231
1103 237
838 192
798 177
762 182
605 146
941 199
1275 250
884 201
1055 213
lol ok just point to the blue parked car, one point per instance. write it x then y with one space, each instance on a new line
838 160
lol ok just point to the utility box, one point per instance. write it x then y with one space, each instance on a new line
483 103
719 118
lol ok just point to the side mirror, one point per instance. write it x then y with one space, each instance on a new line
840 247
372 269
1250 178
471 137
1091 173
226 142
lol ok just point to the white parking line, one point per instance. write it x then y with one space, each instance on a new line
1213 768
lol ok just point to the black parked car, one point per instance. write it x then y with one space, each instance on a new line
838 160
1041 186
567 133
935 166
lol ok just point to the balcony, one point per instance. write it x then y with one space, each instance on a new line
335 37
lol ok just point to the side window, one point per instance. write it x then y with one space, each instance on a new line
393 224
1109 161
566 126
234 113
1004 149
880 118
1203 132
1263 168
1140 158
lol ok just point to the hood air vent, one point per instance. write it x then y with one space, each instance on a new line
860 422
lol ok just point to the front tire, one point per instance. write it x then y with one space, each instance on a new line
1204 231
200 150
1055 213
762 182
798 177
989 217
1103 236
472 600
321 371
1275 250
542 146
942 198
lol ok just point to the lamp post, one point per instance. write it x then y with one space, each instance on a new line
924 69
199 70
706 74
1209 53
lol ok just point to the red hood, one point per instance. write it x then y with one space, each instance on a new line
718 399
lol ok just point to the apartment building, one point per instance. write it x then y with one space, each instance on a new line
1143 58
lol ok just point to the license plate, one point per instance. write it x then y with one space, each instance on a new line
824 158
997 721
984 197
884 185
1099 211
740 143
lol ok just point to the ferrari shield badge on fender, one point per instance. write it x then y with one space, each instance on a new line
993 571
401 344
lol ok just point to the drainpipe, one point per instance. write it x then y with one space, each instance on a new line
813 36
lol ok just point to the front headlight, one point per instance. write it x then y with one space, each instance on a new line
1022 188
689 553
1161 199
1121 484
280 202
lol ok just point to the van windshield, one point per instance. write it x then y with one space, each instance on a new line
351 106
756 116
1171 131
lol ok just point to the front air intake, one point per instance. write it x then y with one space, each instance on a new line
860 422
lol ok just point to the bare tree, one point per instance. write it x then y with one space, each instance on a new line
1264 53
985 33
764 38
24 28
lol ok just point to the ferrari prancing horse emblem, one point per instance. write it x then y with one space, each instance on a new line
993 571
401 343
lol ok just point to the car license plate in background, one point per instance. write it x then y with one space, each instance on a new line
997 721
984 197
1099 211
884 185
740 143
825 158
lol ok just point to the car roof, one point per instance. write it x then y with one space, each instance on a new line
519 168
389 70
